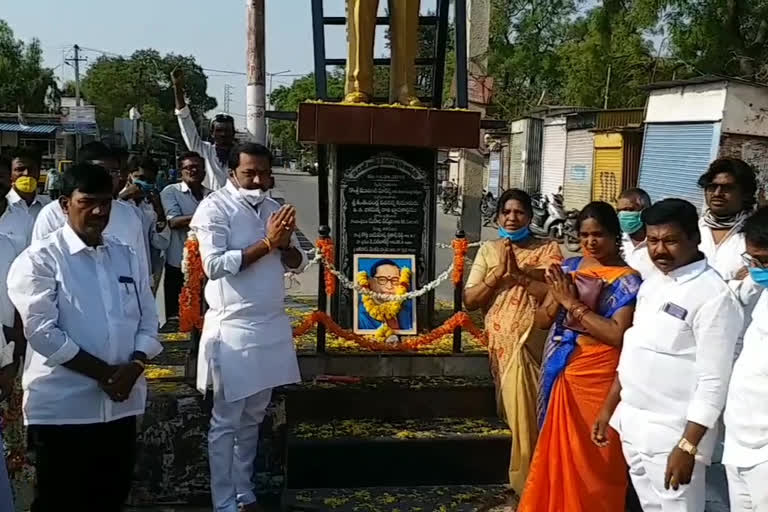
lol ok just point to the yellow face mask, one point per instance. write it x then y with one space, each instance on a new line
26 184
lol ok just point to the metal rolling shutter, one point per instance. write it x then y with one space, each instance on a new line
673 158
606 183
553 156
578 169
516 160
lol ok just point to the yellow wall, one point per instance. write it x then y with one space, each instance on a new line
606 179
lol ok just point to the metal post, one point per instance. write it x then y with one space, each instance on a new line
318 35
442 39
458 292
256 94
77 75
462 63
322 297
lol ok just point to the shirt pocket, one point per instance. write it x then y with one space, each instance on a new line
672 335
129 300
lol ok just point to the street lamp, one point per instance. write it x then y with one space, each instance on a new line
269 101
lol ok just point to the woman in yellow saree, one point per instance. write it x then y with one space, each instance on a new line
507 282
569 473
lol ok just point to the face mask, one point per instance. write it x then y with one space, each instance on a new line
759 275
515 236
145 186
26 184
254 196
631 222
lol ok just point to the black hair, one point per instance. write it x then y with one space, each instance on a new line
382 263
188 156
514 194
224 119
756 228
86 178
5 164
149 164
743 174
96 151
604 214
28 155
674 211
248 148
639 194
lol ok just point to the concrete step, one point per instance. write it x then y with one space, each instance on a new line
360 453
392 398
459 498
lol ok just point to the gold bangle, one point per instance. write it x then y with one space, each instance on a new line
267 243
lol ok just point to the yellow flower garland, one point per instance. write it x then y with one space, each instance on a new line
387 310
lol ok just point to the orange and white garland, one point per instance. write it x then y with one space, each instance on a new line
388 310
190 298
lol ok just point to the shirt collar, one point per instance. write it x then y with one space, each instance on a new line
14 197
628 240
74 242
186 190
688 272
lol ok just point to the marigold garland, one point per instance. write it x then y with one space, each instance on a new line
325 246
387 310
190 298
460 247
460 319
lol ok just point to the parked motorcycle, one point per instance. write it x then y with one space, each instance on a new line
571 231
487 208
450 201
548 216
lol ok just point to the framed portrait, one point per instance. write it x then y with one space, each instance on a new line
391 274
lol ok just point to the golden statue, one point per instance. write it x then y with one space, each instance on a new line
404 26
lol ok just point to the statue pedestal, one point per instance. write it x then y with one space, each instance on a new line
382 173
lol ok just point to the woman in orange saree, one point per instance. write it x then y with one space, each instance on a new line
569 473
507 283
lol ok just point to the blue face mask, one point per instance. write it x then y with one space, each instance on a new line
515 236
630 222
759 275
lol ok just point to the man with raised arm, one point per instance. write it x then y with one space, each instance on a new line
216 155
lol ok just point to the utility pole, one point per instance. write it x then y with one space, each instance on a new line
75 63
256 97
227 98
607 87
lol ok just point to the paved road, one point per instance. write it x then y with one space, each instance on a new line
300 190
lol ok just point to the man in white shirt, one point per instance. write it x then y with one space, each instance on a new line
216 155
125 220
630 207
91 325
746 412
247 242
674 368
180 201
25 174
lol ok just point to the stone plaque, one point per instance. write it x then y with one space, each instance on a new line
385 205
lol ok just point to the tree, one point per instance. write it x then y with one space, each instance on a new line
115 84
24 82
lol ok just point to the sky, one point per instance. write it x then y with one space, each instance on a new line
213 31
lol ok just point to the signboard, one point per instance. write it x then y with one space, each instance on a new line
494 174
80 119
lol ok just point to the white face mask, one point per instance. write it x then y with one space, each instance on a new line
254 196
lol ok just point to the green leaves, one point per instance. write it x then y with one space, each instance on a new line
25 82
115 84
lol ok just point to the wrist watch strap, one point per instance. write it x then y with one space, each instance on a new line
688 447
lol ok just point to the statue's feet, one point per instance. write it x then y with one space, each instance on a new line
409 101
357 97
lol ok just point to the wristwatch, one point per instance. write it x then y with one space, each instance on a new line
688 447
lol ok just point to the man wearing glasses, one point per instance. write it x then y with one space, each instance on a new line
125 221
216 155
180 200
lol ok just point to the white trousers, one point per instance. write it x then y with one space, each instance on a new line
232 446
647 473
748 488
